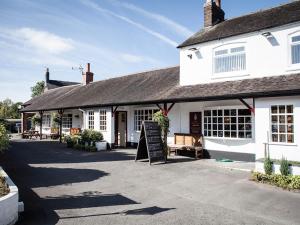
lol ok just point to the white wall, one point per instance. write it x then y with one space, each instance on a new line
263 58
263 125
108 135
179 123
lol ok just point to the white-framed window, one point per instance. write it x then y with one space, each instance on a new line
141 115
295 49
91 120
102 119
46 121
67 121
282 123
229 59
228 123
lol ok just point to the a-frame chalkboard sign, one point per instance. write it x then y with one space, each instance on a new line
150 145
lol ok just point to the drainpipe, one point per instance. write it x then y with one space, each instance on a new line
83 117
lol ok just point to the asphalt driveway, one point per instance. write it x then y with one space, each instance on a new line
63 186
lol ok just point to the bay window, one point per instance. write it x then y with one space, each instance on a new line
228 123
230 60
282 123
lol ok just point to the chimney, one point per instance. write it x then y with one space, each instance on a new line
88 76
47 76
213 13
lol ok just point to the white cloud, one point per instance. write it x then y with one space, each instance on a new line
172 25
128 20
43 41
131 58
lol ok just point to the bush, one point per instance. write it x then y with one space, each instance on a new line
268 166
91 136
36 120
4 138
284 167
78 146
286 182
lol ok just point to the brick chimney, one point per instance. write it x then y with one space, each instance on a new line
88 76
213 13
47 76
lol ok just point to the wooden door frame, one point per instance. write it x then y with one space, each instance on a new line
116 116
201 121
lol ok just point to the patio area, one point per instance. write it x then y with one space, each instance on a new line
63 186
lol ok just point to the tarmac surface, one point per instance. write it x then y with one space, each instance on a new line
64 186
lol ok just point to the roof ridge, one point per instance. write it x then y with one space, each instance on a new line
261 10
136 73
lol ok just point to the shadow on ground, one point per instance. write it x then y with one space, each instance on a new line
137 212
41 211
47 152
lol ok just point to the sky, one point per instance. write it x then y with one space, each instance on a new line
117 37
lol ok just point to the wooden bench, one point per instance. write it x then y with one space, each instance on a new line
54 133
30 134
187 142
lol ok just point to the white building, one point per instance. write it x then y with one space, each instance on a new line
240 76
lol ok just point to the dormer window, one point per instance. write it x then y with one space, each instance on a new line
295 45
229 59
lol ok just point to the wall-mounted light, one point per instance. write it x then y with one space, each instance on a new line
193 49
190 56
267 34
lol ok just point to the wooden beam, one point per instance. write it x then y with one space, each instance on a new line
113 111
171 106
60 112
41 124
159 106
248 106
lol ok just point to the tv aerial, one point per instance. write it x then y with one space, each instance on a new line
80 68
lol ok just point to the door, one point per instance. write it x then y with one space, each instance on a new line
121 129
196 123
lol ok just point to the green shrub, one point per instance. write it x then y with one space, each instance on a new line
286 182
78 146
91 137
4 138
284 167
268 166
36 120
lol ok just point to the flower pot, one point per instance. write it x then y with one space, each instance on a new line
101 146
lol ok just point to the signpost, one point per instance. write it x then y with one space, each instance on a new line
150 145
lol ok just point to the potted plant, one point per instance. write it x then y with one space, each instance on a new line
97 140
36 120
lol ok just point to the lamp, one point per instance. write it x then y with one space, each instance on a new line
267 34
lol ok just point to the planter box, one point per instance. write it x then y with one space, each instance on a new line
101 146
259 167
9 202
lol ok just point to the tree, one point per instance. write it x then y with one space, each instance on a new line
37 89
9 110
4 138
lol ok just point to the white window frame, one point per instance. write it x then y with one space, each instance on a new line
67 121
279 116
223 124
142 115
228 48
102 120
46 123
291 44
91 119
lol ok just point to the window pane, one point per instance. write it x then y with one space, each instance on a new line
274 137
296 54
239 49
289 109
290 138
274 109
296 39
282 109
221 52
282 138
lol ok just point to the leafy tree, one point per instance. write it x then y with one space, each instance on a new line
4 138
9 110
38 89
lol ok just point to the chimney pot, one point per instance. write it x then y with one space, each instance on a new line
47 75
213 13
218 3
88 67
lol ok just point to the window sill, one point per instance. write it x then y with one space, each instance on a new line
282 144
217 76
292 68
229 139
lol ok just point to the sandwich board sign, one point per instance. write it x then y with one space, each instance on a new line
150 145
